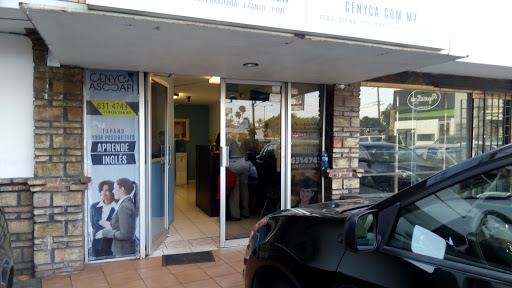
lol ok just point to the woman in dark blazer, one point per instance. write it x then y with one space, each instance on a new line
102 211
122 227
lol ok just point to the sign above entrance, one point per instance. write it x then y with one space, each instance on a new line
402 22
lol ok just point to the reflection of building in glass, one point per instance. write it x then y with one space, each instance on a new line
429 117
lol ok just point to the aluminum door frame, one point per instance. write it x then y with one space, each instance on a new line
285 153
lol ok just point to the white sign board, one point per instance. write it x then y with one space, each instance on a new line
394 21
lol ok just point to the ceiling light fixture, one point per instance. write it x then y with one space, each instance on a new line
251 64
176 95
214 80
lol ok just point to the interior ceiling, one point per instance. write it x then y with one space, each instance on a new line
199 89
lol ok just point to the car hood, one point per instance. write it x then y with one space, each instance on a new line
334 208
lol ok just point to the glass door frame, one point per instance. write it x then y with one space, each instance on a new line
285 153
148 167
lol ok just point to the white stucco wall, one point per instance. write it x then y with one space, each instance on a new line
16 110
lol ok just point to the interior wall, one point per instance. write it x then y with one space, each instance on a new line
214 120
198 116
16 109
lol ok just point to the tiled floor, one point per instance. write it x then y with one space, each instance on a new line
225 272
191 231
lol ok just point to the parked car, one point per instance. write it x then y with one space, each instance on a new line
450 139
381 138
445 155
7 275
453 229
386 165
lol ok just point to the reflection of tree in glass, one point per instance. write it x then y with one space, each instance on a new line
309 126
385 115
242 110
238 115
274 124
372 124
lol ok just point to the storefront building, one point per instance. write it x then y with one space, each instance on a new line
104 123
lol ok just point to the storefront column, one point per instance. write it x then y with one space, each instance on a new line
59 185
342 140
16 201
58 225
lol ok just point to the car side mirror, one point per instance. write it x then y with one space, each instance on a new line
367 161
361 231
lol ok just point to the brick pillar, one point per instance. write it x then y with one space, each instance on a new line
16 201
342 140
58 118
58 229
58 185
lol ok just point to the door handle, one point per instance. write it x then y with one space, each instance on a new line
169 155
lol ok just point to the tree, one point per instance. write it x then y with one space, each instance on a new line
242 110
372 124
385 115
274 124
238 115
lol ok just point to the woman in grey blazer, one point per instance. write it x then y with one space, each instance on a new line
122 227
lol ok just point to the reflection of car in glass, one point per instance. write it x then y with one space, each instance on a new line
5 253
451 230
381 138
373 138
449 139
446 155
304 153
385 164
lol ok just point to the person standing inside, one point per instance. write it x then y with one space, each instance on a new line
102 211
251 146
123 226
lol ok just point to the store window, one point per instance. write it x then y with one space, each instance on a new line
408 135
306 143
491 121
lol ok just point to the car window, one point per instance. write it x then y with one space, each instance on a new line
363 154
420 151
363 139
469 222
376 139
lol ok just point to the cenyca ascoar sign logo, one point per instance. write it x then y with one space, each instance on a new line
423 100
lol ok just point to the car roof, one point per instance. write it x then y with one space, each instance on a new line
375 144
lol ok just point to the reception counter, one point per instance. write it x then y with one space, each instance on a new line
207 175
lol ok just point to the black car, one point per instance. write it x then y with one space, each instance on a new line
451 230
390 168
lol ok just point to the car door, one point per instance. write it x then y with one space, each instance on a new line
451 233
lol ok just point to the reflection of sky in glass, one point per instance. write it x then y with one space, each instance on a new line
263 110
266 110
369 100
311 108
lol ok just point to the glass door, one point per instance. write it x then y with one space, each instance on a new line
160 171
251 137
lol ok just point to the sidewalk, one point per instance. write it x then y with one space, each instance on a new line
225 272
